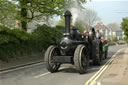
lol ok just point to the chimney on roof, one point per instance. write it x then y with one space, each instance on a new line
100 23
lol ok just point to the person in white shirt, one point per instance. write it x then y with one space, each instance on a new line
98 34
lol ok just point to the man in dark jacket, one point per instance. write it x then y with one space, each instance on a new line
75 32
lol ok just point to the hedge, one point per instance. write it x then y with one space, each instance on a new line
17 42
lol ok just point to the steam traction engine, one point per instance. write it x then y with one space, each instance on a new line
73 49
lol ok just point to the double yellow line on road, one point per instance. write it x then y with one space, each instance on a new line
93 79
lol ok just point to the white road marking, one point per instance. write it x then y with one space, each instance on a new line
102 69
98 83
45 73
42 75
95 82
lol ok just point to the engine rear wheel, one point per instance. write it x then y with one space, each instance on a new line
81 60
50 52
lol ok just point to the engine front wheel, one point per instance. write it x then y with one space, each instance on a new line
81 60
49 54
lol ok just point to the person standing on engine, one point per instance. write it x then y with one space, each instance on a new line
75 32
98 34
86 32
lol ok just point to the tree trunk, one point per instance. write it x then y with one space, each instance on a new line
23 4
24 25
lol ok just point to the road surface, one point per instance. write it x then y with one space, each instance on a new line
38 75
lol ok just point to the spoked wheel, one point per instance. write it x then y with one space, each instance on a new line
50 52
81 59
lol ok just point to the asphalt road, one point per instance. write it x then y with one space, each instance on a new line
38 75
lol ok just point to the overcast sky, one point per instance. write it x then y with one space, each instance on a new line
110 11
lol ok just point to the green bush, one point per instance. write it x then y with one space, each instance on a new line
16 36
17 42
11 42
126 39
44 35
60 28
124 26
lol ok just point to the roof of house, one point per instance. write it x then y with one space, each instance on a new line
104 27
115 28
100 27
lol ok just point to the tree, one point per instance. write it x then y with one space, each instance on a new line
29 10
81 17
86 17
90 17
61 21
124 26
80 26
35 9
7 13
38 8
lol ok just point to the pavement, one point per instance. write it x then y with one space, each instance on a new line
117 72
39 75
20 62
